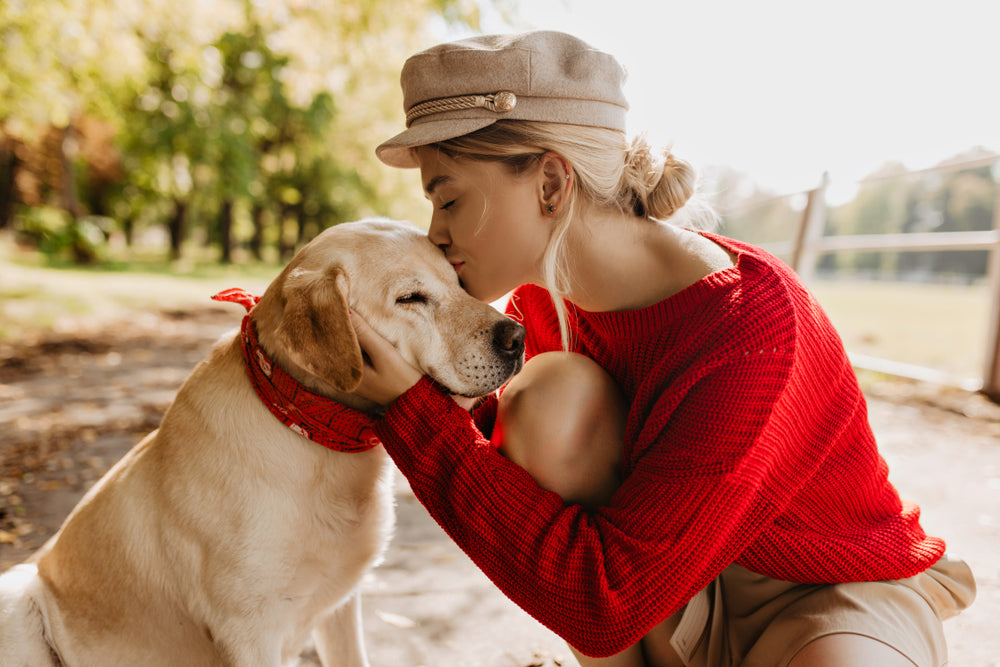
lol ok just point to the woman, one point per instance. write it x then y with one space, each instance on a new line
695 482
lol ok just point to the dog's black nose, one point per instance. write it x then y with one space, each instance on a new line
508 338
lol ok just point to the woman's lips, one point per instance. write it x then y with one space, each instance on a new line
457 266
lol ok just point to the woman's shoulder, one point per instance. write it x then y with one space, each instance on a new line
757 273
753 260
770 296
757 296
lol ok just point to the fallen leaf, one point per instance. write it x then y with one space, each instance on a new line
395 619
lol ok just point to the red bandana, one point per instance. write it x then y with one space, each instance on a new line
316 417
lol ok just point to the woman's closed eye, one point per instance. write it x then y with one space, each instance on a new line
447 205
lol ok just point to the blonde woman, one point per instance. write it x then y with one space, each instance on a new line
683 473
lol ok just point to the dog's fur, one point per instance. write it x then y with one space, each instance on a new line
224 538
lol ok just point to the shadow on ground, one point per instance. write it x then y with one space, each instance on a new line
72 404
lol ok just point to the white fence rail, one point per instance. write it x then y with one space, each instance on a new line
810 243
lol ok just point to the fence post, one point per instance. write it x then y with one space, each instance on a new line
804 254
991 373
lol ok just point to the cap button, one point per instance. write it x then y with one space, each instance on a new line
504 101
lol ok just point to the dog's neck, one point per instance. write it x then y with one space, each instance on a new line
319 418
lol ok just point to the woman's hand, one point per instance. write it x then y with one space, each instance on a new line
386 374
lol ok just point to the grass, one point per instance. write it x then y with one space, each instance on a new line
38 296
942 327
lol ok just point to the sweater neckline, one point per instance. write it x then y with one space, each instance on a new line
640 322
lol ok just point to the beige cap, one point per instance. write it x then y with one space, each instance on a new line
456 88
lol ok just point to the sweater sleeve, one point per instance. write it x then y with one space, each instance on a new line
485 414
603 579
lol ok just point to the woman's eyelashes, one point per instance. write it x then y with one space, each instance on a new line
447 205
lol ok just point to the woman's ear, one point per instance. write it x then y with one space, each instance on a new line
555 176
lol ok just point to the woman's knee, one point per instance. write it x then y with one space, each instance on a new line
846 649
562 419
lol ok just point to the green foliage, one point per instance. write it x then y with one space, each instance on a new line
246 122
46 228
59 236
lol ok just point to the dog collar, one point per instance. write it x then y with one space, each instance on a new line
312 416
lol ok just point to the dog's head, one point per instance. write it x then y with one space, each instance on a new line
394 277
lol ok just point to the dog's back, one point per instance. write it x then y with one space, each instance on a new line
23 635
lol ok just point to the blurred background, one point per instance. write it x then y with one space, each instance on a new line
155 152
186 137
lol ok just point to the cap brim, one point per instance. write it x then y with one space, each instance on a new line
397 152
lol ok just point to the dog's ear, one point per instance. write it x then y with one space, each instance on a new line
316 329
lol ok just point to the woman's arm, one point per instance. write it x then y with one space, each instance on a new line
599 579
723 448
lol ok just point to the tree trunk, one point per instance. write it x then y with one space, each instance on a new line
285 249
226 231
176 227
8 188
257 240
305 229
128 228
82 248
296 215
67 152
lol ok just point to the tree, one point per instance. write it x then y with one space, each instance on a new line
954 201
233 117
948 198
882 206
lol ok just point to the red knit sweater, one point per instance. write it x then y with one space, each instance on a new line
747 441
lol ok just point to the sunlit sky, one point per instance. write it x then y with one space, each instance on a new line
787 89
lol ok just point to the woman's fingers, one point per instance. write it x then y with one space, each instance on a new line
386 374
370 342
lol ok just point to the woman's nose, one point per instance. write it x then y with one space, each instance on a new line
438 233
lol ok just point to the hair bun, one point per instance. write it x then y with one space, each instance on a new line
641 172
675 188
658 187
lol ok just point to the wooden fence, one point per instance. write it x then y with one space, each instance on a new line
810 243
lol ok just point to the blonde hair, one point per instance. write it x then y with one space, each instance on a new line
608 171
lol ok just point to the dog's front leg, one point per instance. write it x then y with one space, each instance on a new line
338 636
248 647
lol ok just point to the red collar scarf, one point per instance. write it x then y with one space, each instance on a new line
316 417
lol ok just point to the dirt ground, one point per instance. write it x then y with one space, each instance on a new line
72 403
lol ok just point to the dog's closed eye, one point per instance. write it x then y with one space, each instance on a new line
412 297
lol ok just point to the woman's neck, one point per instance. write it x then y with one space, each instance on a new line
622 262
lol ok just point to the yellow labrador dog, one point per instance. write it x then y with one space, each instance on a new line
230 534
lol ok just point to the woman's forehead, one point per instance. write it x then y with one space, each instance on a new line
438 170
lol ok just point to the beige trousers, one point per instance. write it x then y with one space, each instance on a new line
746 619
